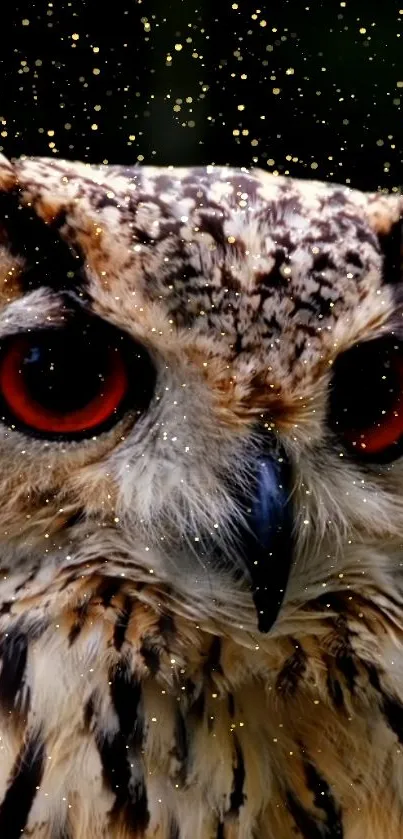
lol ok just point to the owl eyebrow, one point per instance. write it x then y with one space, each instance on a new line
50 261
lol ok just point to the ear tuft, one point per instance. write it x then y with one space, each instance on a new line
8 176
391 244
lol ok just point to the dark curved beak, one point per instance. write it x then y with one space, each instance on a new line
267 539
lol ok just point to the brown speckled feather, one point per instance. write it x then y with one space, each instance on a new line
138 700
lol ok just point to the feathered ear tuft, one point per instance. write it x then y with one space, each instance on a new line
8 178
392 248
30 227
385 215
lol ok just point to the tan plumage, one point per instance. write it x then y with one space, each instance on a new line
137 696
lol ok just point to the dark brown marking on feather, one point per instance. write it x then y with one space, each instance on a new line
347 666
74 519
166 627
212 223
131 803
174 832
126 696
88 714
13 653
26 776
231 704
212 664
391 708
220 831
323 262
199 706
334 690
292 672
274 278
122 622
121 751
181 747
324 800
108 589
333 602
81 614
304 821
341 651
151 655
237 797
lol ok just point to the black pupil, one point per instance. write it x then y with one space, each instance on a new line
63 373
366 386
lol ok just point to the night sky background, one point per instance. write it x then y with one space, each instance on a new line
313 89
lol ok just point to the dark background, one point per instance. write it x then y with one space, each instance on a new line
310 88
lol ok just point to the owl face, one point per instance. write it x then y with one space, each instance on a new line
200 383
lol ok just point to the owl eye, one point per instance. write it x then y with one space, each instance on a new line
69 383
366 399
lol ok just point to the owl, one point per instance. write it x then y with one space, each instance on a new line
201 517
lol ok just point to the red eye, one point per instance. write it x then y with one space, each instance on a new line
366 402
69 384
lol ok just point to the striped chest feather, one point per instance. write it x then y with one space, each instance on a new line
121 719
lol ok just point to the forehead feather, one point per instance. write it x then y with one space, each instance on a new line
242 256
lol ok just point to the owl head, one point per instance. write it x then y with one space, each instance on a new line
201 383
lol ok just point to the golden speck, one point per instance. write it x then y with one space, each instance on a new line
25 21
75 36
96 71
178 47
94 126
276 90
290 71
263 23
241 107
